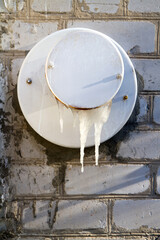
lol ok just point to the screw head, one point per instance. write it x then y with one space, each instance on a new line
125 97
29 81
51 65
118 76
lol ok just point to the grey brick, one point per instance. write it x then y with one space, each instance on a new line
149 70
134 214
143 109
25 180
3 83
15 68
52 6
103 6
104 179
156 110
38 216
3 226
33 150
11 6
144 6
158 181
32 238
21 35
129 34
77 214
140 145
102 238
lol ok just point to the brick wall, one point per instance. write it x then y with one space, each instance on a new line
43 194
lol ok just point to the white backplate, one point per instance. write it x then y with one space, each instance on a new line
40 107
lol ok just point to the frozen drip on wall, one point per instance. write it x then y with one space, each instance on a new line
88 118
85 90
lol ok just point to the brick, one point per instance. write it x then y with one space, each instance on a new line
149 71
135 214
11 6
7 84
140 145
156 113
104 179
143 109
22 145
3 226
2 7
3 83
33 180
15 68
38 215
52 6
21 35
144 6
2 211
77 214
103 6
33 150
158 180
33 238
3 103
101 238
129 34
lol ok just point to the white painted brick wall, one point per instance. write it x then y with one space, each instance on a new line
144 6
102 238
156 107
118 179
141 145
158 181
77 238
2 7
32 238
134 214
85 214
15 68
27 148
39 215
128 34
32 180
26 34
52 6
33 150
3 83
150 72
11 6
45 205
103 6
143 109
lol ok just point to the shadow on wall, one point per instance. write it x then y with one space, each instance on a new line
57 153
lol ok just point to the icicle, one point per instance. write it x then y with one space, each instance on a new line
102 117
85 122
97 135
61 109
75 113
87 118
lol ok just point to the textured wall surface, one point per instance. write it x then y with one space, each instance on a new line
44 196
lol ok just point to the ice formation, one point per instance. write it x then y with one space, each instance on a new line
88 118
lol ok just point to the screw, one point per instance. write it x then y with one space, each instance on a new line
118 76
51 65
29 81
125 97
